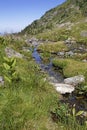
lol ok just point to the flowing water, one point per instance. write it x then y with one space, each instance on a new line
48 67
81 103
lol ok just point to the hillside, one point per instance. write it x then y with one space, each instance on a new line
67 16
43 72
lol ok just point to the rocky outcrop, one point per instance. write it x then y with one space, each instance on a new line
12 53
74 80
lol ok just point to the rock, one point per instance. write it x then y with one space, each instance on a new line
1 80
51 79
63 88
84 60
70 53
70 41
74 80
12 53
83 33
33 41
60 53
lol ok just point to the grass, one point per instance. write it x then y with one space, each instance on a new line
80 56
71 67
53 47
47 49
26 103
63 33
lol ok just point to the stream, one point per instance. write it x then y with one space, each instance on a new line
57 77
48 67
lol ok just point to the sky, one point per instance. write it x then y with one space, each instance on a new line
15 15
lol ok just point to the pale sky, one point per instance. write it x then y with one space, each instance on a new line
17 14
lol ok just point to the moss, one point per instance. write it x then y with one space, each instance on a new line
80 56
26 102
71 67
53 47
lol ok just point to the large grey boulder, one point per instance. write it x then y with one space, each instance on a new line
63 88
1 80
12 53
74 80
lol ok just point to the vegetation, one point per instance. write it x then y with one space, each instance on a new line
71 67
27 100
53 47
9 69
25 103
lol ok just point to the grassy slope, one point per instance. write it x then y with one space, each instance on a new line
71 67
50 26
53 47
26 104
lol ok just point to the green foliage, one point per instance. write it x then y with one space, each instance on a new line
53 47
82 89
61 112
70 11
71 67
9 69
68 115
54 35
26 104
74 113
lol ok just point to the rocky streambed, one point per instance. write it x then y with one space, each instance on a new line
66 87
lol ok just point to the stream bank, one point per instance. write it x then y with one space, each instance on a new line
55 77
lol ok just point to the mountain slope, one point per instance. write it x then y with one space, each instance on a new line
66 15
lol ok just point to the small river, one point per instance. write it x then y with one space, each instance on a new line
48 67
81 103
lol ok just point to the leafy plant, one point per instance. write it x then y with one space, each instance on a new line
82 90
61 112
74 113
9 69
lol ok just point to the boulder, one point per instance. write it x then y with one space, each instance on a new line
63 88
69 53
1 80
61 54
12 53
74 80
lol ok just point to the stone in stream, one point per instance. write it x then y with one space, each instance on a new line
74 80
63 88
